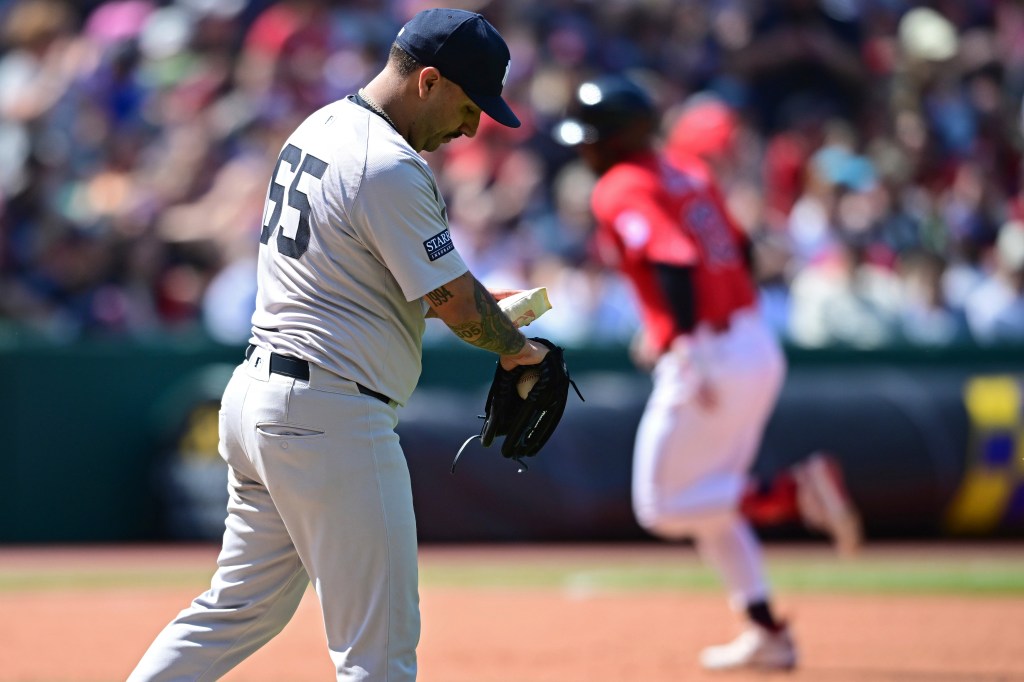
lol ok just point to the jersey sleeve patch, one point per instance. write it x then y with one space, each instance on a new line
438 245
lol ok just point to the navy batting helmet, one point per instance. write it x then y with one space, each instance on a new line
604 107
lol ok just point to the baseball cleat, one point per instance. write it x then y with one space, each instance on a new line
755 648
825 504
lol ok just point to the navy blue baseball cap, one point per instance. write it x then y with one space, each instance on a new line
468 51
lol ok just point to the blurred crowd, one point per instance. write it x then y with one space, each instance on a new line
872 149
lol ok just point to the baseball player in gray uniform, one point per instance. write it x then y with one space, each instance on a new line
355 253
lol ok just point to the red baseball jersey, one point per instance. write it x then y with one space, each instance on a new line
648 212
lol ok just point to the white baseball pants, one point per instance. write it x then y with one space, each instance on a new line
690 465
319 490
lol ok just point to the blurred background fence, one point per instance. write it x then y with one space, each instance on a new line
109 441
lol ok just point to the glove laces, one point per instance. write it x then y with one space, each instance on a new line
522 464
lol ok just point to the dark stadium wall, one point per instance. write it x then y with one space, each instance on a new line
117 442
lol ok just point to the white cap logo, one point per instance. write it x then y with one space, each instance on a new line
504 78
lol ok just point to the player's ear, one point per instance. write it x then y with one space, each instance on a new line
429 79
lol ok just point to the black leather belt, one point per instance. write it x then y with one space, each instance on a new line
299 369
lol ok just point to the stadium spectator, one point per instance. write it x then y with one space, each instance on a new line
926 316
133 134
995 309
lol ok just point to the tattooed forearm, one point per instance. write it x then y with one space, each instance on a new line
440 296
497 333
493 331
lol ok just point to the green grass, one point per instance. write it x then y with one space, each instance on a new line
875 576
998 575
965 577
66 578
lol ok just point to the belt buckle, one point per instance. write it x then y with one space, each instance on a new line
258 364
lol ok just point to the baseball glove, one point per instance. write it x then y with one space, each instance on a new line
526 423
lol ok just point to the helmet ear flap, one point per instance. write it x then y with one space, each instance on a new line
612 112
613 103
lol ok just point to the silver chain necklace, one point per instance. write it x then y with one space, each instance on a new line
376 107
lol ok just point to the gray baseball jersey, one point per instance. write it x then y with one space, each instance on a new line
341 279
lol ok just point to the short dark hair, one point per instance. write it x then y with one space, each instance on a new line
402 61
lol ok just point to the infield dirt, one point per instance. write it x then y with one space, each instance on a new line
55 631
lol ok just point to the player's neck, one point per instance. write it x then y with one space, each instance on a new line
383 96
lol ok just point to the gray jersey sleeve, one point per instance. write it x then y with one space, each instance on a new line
402 218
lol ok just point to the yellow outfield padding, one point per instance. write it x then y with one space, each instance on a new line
979 504
994 407
993 401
